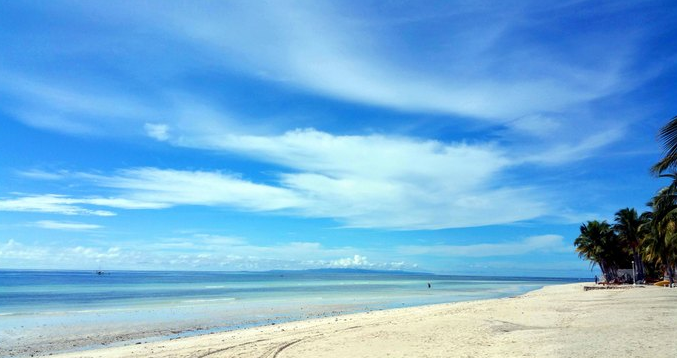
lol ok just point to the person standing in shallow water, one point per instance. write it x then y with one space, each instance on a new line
596 279
429 286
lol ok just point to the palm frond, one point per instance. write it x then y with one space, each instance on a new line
668 138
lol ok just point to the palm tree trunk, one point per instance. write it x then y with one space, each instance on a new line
639 266
613 272
606 271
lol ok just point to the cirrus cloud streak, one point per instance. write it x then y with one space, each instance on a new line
373 181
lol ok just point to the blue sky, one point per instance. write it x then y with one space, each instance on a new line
462 137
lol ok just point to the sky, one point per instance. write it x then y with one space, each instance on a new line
455 137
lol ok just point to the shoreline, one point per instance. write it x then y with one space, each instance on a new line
119 335
557 320
82 330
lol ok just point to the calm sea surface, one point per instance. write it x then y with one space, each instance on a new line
31 292
35 302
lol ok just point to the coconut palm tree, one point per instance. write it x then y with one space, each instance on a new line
668 136
650 266
600 245
661 244
630 230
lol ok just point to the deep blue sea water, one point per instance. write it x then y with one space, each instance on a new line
40 308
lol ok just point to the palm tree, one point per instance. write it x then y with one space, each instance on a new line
668 136
630 230
661 244
599 244
652 268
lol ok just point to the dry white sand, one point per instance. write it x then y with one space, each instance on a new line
557 321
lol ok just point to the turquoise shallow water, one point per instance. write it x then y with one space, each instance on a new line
35 292
40 309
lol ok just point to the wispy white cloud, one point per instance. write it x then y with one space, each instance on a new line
536 125
157 131
65 225
541 243
586 147
68 205
365 181
373 181
329 50
387 181
494 73
368 181
326 49
71 107
164 188
43 175
50 203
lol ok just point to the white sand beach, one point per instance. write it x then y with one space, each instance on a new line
556 321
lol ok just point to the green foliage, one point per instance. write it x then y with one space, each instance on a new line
631 230
599 244
668 136
660 243
649 239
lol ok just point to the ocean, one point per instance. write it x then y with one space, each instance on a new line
117 306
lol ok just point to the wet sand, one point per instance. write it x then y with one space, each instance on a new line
556 321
